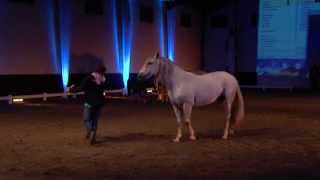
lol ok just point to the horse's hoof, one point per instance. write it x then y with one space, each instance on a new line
193 138
176 140
231 132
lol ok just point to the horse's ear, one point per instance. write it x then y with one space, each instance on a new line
156 56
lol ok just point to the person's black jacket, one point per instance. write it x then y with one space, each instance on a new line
93 93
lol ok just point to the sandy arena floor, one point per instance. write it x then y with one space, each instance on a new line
279 140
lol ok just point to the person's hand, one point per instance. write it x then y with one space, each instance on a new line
105 93
68 89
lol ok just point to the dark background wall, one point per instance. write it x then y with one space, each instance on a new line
25 59
25 44
221 37
231 40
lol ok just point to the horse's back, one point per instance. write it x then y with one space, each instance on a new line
222 76
214 80
228 82
205 89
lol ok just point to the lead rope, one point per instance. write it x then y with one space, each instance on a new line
160 89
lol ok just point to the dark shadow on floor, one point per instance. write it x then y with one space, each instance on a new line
132 137
217 134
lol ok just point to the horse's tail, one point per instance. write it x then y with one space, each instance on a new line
239 108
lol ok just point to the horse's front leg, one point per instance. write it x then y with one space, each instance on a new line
179 116
187 110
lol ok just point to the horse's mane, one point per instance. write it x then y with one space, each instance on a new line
170 63
165 68
166 60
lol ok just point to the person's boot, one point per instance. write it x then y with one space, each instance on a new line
93 138
88 133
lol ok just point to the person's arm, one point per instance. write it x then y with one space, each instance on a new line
81 87
105 86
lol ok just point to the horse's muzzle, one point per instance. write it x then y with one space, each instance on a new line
144 77
140 77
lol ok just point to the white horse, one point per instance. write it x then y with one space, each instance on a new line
186 90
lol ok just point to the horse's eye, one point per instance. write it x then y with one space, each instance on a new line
149 63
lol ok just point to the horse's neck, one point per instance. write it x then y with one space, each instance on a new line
172 77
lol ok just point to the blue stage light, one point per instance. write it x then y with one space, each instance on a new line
115 35
123 36
65 30
161 31
59 44
166 30
171 32
49 18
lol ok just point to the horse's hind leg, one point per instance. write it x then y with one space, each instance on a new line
187 110
179 116
227 126
227 129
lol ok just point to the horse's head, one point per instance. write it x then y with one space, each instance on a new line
150 68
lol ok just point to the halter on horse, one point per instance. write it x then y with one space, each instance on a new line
161 90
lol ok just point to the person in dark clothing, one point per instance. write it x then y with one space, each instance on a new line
93 86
